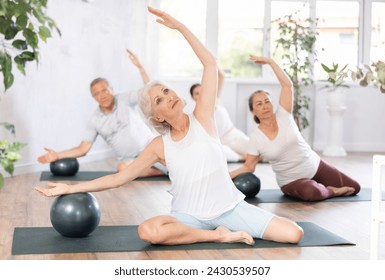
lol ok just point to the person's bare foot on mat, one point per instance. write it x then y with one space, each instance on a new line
343 191
228 236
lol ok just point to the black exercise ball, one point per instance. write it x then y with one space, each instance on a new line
248 184
75 215
64 167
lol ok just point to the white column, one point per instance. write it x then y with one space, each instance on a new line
336 109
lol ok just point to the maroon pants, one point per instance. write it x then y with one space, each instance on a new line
315 188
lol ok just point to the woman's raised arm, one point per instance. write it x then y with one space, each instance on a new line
204 109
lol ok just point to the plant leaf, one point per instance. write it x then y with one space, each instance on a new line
1 180
20 44
11 31
31 37
9 127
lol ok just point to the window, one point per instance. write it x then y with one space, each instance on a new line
240 33
280 9
176 59
237 28
337 42
377 48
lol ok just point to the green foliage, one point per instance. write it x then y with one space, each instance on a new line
9 152
23 25
295 46
336 78
367 74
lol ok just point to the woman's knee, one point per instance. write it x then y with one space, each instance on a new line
147 231
283 230
295 234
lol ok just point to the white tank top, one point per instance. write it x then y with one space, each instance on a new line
201 185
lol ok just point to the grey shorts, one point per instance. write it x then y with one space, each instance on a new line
243 217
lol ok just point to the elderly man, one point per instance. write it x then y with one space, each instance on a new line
118 122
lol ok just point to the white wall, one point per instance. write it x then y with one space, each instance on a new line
50 106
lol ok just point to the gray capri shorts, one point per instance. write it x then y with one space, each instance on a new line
243 217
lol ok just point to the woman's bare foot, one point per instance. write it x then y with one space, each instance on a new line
343 191
227 236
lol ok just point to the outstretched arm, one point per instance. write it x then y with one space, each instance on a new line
76 152
137 63
204 109
249 166
286 95
150 155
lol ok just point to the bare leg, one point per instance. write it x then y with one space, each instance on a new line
168 230
147 173
283 230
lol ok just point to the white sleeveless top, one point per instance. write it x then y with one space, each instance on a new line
201 185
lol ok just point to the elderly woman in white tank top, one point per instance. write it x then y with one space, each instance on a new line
235 141
190 147
300 172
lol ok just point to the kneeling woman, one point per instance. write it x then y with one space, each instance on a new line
206 206
299 170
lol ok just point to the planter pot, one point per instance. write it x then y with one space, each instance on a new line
336 107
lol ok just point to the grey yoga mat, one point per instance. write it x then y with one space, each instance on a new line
90 175
45 240
276 196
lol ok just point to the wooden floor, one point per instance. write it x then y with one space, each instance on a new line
21 206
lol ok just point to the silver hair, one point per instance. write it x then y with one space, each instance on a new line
145 105
99 80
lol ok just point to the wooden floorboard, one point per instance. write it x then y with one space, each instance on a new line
21 206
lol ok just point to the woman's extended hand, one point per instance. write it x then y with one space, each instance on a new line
260 59
165 18
54 189
50 156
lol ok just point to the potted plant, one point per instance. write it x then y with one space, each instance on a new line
335 101
23 26
335 82
296 42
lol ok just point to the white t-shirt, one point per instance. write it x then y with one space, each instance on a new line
290 156
123 129
201 185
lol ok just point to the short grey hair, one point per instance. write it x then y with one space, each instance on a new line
99 80
145 105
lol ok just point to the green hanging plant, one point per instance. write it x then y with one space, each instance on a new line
23 26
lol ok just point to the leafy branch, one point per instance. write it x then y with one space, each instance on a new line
9 152
23 25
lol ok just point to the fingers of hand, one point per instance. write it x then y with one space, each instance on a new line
45 192
51 184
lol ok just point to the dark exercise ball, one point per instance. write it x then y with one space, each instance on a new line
75 215
64 167
248 184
